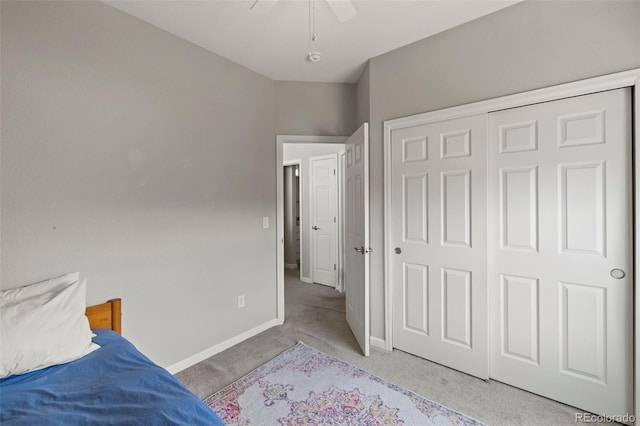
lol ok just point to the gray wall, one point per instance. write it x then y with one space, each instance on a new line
303 152
324 109
143 162
523 47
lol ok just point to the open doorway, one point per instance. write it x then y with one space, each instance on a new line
298 151
355 182
292 212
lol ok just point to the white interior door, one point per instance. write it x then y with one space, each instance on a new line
438 230
357 249
324 212
561 276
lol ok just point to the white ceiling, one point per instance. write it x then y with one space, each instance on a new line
276 44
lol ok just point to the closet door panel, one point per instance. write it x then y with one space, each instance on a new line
439 231
560 220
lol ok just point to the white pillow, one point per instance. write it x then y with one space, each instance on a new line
44 329
21 293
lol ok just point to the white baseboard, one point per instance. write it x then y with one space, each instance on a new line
378 343
291 265
201 356
306 280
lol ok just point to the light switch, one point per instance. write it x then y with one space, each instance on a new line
265 222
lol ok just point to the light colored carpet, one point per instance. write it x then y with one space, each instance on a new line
315 315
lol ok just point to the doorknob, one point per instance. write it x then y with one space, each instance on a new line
315 228
359 249
398 250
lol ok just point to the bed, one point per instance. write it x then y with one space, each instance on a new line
115 384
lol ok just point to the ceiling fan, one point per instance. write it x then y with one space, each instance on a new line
343 9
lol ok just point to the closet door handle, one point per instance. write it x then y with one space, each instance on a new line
315 228
618 274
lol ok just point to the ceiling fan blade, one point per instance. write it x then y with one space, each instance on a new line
343 9
263 6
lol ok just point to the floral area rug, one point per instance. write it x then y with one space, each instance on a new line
304 386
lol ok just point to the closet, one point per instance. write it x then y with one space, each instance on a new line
512 246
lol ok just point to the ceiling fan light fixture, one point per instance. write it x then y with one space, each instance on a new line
314 57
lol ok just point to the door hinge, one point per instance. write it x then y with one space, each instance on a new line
334 219
334 266
334 172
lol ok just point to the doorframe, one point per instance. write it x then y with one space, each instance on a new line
341 259
280 141
312 256
630 78
295 162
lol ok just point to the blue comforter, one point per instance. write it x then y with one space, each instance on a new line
115 384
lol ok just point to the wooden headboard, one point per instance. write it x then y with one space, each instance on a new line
106 315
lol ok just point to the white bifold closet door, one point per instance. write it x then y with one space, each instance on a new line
560 274
438 231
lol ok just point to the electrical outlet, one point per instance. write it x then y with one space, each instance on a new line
241 301
265 222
